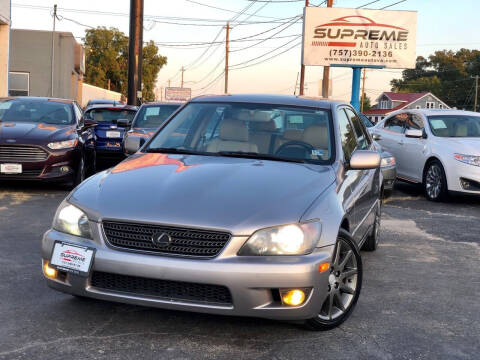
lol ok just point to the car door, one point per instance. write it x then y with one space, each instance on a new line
86 137
391 135
366 191
411 154
351 178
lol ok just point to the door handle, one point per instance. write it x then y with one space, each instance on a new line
376 137
401 142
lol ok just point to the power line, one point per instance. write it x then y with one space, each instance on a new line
269 58
371 2
227 10
398 2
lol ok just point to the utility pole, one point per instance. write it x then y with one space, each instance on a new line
476 93
363 90
169 82
227 40
181 83
302 67
135 56
53 49
296 83
326 69
108 84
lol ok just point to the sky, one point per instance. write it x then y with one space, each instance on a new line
442 24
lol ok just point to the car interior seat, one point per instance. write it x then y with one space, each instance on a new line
233 136
318 137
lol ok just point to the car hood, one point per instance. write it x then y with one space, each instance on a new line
33 133
466 146
234 194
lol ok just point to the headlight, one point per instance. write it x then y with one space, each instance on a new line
63 144
294 239
71 220
387 161
468 159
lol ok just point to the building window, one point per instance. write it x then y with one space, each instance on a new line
417 107
440 106
18 83
383 104
430 105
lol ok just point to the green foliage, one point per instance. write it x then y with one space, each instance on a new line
107 59
446 74
367 103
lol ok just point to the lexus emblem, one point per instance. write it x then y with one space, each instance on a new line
161 240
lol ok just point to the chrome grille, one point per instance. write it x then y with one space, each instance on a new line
15 153
185 242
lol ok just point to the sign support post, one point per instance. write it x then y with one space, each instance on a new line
355 99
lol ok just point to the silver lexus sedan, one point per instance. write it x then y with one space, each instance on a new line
250 205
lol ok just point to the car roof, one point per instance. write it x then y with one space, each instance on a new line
37 98
111 106
431 112
291 100
156 103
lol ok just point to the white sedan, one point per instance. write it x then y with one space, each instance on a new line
437 148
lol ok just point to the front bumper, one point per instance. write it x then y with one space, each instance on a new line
456 171
48 169
252 281
389 175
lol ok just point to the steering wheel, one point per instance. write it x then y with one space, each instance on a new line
306 146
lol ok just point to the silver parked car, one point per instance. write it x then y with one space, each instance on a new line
437 148
260 210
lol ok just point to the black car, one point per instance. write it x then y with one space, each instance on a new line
45 139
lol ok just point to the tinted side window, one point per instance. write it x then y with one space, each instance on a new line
414 121
347 134
395 124
363 139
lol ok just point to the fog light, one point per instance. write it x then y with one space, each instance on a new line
49 271
65 169
293 297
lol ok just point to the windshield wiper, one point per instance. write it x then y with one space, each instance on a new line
169 150
254 155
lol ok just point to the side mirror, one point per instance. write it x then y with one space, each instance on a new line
123 122
364 159
132 144
414 133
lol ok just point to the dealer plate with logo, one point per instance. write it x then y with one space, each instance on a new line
71 258
113 134
11 168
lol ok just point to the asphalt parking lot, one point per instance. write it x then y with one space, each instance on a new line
420 297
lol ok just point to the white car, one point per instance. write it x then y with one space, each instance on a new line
437 148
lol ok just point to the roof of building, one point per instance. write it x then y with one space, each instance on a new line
407 97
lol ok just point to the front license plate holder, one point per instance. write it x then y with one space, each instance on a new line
74 259
11 168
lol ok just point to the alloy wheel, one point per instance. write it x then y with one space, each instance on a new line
433 181
343 283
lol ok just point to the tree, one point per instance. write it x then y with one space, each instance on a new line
367 104
107 59
446 74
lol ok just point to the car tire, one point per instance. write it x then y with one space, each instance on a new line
81 172
345 283
371 243
435 182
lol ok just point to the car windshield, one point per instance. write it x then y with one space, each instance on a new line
110 115
36 111
366 121
152 116
455 125
272 132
